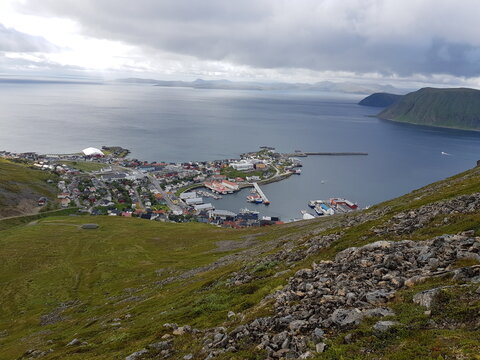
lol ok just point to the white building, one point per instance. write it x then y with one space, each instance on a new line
201 207
242 165
194 201
188 195
91 151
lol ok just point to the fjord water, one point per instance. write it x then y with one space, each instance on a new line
180 124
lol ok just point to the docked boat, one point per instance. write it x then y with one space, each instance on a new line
313 203
254 199
344 202
324 209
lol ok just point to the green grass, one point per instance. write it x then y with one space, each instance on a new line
187 188
19 181
55 261
85 166
15 176
113 273
455 108
231 173
22 220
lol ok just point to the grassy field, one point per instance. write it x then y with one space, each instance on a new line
114 287
86 166
231 173
21 186
15 175
109 273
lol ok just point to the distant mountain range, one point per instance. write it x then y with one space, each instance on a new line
328 86
454 108
380 100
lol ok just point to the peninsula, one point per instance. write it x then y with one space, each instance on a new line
457 108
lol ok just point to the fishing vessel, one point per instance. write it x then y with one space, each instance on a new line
256 199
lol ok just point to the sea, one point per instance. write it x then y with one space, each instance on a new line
183 124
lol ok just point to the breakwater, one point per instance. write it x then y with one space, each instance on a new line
305 154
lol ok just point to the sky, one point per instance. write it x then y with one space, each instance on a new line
381 41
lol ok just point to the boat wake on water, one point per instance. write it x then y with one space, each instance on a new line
446 154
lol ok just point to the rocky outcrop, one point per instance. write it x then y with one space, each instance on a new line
408 221
338 294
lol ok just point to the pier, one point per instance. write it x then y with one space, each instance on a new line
336 153
260 192
305 154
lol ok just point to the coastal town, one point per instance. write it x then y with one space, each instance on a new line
106 182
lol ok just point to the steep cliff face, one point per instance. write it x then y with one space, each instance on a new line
455 108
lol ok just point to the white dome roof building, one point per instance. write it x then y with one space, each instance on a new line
91 151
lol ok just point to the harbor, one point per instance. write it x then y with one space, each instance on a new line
103 183
260 195
332 206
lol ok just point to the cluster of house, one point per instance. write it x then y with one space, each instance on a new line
124 187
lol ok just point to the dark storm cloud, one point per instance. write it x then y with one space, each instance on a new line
12 40
386 36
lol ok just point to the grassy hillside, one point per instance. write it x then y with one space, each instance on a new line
20 188
114 288
380 100
455 108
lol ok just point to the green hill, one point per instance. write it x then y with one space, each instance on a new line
21 187
284 291
380 100
454 108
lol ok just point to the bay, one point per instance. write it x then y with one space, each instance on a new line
180 124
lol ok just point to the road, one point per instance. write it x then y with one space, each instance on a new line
139 199
167 198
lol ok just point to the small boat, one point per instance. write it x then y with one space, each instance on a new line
254 199
313 203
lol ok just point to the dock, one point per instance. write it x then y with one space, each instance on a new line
336 153
260 192
305 154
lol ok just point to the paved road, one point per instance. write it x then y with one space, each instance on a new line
139 199
167 198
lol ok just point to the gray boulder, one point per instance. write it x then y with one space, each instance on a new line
383 326
347 317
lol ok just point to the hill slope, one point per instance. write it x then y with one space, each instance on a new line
380 100
455 108
20 188
340 287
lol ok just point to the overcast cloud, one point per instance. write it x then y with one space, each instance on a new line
390 37
12 40
387 36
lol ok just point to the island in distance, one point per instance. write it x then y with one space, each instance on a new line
457 108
